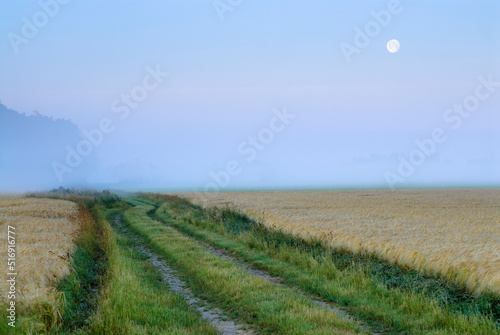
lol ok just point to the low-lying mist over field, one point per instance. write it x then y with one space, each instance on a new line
40 152
228 95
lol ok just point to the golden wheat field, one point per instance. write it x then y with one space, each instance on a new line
452 232
45 231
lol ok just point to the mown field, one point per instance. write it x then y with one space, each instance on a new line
160 264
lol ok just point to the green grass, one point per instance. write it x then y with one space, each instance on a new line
135 300
81 288
270 308
373 290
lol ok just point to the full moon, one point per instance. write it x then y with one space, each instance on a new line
393 46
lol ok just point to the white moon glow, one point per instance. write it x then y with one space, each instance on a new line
393 46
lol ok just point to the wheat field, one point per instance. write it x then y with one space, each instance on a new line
450 232
45 231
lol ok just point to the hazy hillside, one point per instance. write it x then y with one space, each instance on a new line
28 147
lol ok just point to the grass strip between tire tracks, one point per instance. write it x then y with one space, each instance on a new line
270 308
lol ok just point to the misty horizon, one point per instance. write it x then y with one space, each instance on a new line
255 96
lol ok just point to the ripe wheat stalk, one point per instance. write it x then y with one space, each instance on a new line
45 231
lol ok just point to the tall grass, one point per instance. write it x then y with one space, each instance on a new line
453 233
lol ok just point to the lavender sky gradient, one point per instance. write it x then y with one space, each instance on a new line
353 120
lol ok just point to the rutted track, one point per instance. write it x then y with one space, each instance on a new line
278 281
275 280
243 295
214 315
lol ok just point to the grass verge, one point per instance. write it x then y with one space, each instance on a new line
135 300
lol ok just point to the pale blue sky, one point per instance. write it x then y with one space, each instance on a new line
352 119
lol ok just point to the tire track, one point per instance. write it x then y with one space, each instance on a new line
223 253
214 315
278 281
